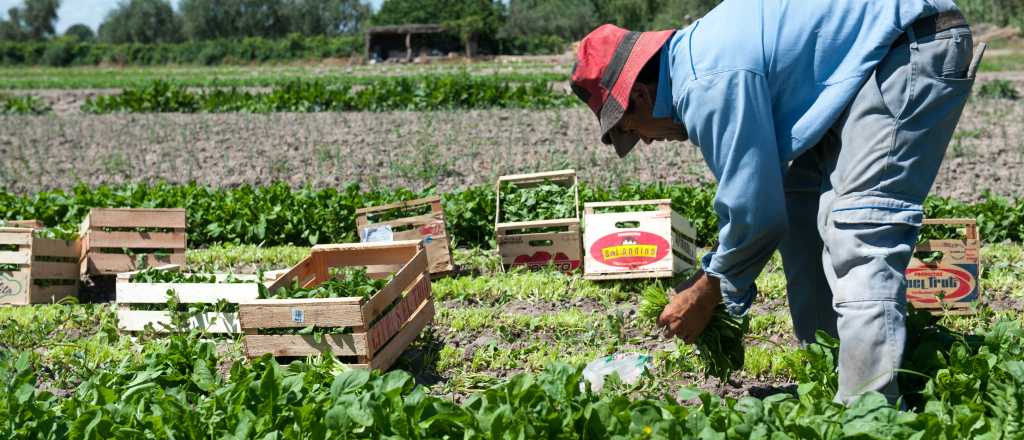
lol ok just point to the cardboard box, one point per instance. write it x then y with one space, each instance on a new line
637 243
951 282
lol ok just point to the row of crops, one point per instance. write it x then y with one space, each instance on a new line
962 387
278 214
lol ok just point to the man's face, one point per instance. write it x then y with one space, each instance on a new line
639 119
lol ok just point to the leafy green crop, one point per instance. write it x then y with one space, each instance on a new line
22 105
720 348
347 282
154 275
422 93
277 214
974 389
547 201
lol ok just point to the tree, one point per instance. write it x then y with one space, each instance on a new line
81 32
141 21
326 17
34 20
40 16
568 19
635 15
211 19
678 13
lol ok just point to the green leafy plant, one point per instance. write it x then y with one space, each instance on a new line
720 347
998 89
437 92
22 105
547 201
346 282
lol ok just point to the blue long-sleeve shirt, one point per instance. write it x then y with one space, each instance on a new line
758 82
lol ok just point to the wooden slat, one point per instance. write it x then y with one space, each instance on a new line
406 245
14 287
300 271
137 240
402 281
419 220
552 176
627 203
325 312
49 270
31 224
44 247
372 254
136 320
136 218
412 328
568 222
15 236
384 329
207 293
51 294
950 221
400 205
111 264
304 345
15 257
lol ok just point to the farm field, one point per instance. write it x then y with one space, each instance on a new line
446 149
505 353
490 328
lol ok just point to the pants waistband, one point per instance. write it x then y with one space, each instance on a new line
933 24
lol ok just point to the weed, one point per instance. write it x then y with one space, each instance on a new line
998 89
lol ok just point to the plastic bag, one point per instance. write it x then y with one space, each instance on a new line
629 367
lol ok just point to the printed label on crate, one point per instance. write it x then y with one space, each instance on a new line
631 249
378 234
298 316
431 229
929 284
9 287
542 259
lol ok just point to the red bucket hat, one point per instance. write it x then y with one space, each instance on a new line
607 64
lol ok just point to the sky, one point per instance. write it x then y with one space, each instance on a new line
90 12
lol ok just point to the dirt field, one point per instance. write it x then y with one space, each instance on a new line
446 149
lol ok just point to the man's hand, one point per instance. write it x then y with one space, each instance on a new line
690 310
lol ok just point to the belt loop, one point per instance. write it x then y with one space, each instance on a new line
912 37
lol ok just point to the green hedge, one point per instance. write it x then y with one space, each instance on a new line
277 214
428 92
71 52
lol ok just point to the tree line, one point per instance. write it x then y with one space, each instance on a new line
497 26
159 21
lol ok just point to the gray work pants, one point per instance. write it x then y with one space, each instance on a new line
861 190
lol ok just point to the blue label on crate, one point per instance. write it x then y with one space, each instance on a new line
930 284
298 316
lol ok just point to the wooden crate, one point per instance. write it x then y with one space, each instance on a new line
428 227
131 295
380 332
32 224
39 262
520 243
107 233
637 243
955 277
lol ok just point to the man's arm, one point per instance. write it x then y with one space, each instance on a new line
729 116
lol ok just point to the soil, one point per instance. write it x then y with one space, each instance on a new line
448 150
